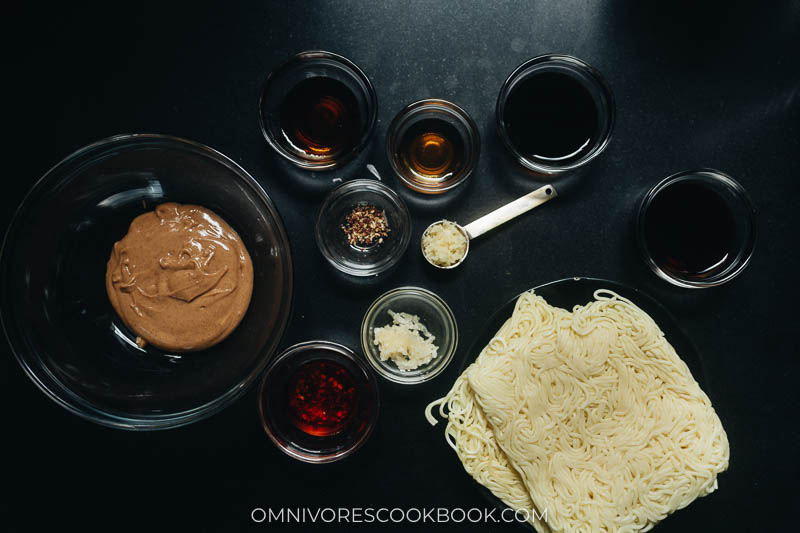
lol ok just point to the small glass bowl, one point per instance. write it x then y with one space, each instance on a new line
311 64
591 79
741 208
432 311
332 240
273 396
452 115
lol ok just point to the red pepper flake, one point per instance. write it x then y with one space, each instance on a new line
322 397
366 225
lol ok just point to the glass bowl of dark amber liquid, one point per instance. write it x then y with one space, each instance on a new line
55 309
318 110
433 146
318 401
696 229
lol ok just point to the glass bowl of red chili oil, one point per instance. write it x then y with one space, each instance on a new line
318 401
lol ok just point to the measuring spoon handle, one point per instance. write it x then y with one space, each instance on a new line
510 210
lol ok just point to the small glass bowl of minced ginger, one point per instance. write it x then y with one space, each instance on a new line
409 335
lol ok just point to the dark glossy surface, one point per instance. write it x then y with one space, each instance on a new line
55 308
712 84
690 230
320 117
551 117
697 228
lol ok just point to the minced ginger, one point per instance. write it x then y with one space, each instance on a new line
406 341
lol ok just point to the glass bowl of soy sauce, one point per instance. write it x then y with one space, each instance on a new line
697 228
555 114
318 401
318 110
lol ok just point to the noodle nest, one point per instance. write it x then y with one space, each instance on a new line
588 418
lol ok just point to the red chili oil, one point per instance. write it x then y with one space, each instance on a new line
322 397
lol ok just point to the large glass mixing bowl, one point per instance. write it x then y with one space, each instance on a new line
55 310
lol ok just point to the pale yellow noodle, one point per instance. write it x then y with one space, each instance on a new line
589 415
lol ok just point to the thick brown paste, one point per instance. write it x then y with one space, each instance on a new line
181 278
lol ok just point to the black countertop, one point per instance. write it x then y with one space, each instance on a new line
717 86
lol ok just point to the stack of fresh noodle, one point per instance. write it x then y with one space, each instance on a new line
589 417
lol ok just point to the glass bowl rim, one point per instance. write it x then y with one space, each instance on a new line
442 361
72 402
343 351
745 253
354 187
452 109
576 64
372 105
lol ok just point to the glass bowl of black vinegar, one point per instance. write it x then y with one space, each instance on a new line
696 229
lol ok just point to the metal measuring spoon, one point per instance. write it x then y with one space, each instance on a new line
495 218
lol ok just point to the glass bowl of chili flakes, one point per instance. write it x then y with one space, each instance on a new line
363 227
